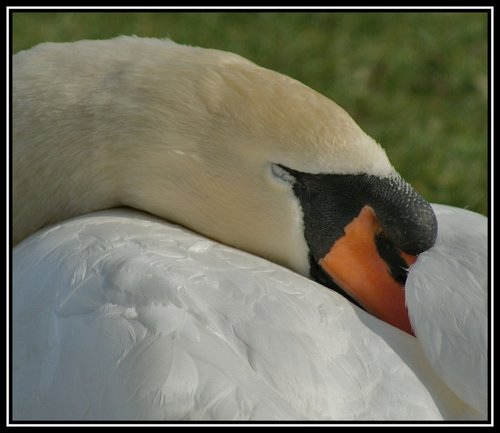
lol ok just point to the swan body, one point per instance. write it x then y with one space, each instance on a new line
118 315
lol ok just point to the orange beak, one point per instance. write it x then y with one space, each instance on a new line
355 265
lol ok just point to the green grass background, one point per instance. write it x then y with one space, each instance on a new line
417 82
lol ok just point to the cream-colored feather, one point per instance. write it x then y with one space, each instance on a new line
183 133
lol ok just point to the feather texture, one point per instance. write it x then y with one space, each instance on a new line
447 300
118 315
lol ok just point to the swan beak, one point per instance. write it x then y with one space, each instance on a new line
355 264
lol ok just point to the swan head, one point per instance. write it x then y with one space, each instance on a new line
234 151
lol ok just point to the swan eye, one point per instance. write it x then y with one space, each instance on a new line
280 172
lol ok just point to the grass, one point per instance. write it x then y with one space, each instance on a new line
417 82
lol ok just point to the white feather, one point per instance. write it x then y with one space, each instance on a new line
447 298
118 315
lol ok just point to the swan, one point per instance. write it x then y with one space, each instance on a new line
120 315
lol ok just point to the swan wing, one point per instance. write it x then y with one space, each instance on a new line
447 298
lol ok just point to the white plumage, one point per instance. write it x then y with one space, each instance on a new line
447 297
118 315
